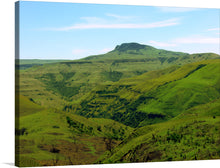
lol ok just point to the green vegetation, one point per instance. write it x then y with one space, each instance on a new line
188 138
77 134
133 104
60 85
155 96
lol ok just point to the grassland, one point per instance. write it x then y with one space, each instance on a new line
196 136
133 104
155 96
52 137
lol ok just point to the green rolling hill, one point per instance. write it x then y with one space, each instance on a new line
155 96
192 135
133 104
51 137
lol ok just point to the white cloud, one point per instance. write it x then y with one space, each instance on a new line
93 19
214 29
120 17
162 44
79 51
176 9
98 25
197 40
177 42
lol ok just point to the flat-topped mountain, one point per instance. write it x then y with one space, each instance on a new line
131 46
136 52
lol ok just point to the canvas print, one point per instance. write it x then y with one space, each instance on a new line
100 84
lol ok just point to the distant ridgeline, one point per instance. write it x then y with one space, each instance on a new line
28 63
139 52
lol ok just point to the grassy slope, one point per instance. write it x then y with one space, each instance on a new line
56 134
198 87
26 106
155 96
192 135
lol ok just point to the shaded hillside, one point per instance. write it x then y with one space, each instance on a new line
155 96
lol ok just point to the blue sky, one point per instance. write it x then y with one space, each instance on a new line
53 30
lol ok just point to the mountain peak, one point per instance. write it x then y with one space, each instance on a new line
129 46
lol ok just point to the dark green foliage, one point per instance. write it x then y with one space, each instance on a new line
162 59
60 87
22 131
185 57
31 100
67 75
54 149
172 59
99 128
112 75
79 126
153 116
174 137
139 72
169 158
133 60
130 118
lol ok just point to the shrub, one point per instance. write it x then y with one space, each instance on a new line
55 126
174 137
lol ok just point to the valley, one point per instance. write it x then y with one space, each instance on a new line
135 103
